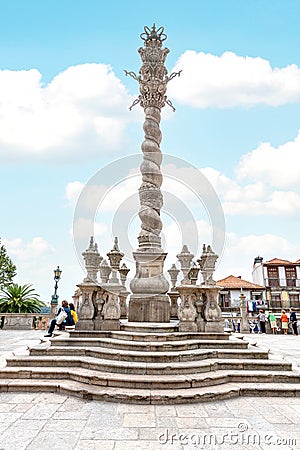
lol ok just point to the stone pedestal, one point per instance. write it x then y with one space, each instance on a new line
154 308
110 325
148 302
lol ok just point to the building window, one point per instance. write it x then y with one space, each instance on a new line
225 299
256 296
275 301
290 274
294 300
273 277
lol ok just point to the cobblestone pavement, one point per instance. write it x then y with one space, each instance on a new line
50 421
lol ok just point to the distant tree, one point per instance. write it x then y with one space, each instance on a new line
7 269
15 298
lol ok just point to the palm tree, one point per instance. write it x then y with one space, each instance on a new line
20 299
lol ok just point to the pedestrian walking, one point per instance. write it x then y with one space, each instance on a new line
262 321
294 321
284 322
272 320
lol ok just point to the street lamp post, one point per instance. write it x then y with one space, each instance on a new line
54 298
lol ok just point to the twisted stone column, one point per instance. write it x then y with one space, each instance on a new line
151 200
149 286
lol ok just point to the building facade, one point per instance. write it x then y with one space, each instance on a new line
229 296
281 279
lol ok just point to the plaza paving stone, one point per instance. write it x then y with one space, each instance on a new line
50 421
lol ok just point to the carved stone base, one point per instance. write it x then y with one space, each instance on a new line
188 326
214 327
85 324
110 325
149 278
154 308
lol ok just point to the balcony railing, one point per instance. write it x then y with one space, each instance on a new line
282 282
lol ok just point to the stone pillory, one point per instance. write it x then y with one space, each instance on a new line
149 301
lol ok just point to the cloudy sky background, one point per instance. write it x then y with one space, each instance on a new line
64 119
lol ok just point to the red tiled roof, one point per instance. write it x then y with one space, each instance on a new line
279 262
232 282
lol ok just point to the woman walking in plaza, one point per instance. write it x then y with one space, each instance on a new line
294 322
272 320
284 322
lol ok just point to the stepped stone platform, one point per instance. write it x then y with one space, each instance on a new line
149 363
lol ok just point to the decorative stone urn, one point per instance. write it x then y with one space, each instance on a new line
185 260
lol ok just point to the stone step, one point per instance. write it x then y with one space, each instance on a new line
162 382
170 346
149 356
159 368
150 327
148 337
150 396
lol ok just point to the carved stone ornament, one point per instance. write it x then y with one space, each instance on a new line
185 259
187 311
105 271
153 78
111 309
207 264
123 271
212 310
173 272
92 259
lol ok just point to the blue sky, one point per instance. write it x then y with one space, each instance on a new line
64 117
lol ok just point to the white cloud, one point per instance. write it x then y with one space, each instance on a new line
84 228
278 166
240 252
73 190
23 251
230 80
257 198
86 104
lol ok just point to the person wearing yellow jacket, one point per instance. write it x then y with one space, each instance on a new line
73 312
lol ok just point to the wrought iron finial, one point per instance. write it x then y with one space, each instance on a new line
153 34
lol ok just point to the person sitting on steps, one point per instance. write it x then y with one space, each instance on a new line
73 312
69 321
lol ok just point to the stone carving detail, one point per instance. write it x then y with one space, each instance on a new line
185 259
123 271
92 260
207 264
86 309
105 271
187 311
111 309
153 78
212 310
173 272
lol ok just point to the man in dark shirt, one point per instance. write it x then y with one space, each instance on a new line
294 322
